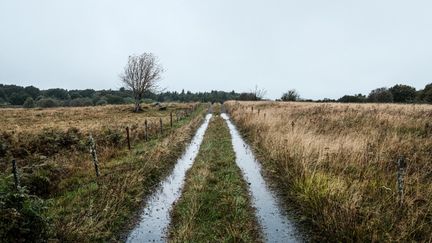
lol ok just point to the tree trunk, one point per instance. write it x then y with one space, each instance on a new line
137 105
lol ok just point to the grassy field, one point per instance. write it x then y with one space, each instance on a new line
335 165
215 205
92 118
51 149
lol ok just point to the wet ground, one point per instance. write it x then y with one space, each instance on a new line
275 225
155 217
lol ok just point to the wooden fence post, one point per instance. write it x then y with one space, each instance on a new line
128 138
146 130
427 128
94 155
401 163
171 119
15 173
160 123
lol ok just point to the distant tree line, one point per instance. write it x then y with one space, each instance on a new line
399 93
30 96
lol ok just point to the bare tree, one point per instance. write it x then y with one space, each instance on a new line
259 93
141 75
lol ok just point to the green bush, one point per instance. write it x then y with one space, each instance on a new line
111 137
51 141
29 103
47 103
81 102
37 184
114 99
128 100
148 101
102 102
22 217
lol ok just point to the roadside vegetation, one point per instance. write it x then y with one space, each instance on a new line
60 196
336 165
215 205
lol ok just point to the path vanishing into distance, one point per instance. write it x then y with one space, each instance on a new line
216 192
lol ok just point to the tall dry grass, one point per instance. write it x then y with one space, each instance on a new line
92 118
336 164
52 152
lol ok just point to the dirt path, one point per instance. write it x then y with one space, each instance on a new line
215 205
155 216
275 225
225 197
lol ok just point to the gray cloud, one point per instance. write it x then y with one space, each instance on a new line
321 48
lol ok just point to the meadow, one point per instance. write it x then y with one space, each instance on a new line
336 166
60 197
345 172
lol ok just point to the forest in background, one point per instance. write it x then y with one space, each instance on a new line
30 96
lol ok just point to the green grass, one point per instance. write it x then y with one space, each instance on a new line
215 205
90 209
84 208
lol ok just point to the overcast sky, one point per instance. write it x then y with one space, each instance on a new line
321 48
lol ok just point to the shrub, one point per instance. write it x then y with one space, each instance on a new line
128 100
51 141
3 101
29 103
37 184
102 102
148 101
47 103
22 217
81 102
112 137
113 99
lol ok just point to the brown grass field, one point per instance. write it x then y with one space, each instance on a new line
85 118
335 165
51 149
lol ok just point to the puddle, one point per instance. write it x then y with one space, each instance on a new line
155 218
276 226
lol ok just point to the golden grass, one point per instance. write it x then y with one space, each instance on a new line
84 208
337 164
91 118
98 210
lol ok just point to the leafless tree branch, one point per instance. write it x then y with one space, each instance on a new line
141 74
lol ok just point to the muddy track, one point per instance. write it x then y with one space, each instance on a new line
155 216
276 226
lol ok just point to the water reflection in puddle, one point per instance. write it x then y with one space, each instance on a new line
155 218
276 226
